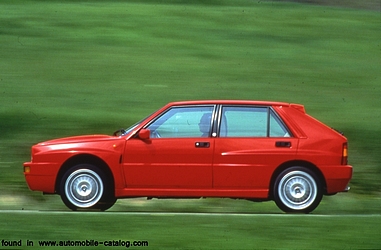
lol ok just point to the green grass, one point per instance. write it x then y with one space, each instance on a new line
83 67
373 5
92 67
214 231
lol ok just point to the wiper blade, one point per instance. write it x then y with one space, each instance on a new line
119 132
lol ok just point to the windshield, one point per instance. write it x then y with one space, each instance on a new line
123 131
128 130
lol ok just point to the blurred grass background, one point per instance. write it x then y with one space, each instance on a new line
374 5
93 66
213 231
84 67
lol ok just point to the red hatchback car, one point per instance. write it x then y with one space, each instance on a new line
251 150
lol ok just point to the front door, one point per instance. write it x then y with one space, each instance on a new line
178 155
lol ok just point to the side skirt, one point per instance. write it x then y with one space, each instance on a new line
250 194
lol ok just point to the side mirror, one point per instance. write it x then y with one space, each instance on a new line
144 134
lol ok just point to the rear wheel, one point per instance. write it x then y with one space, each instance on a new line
298 190
85 186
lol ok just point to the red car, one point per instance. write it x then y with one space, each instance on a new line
252 150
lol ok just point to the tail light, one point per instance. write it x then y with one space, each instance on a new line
344 156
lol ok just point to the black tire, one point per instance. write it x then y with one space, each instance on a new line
106 203
297 190
85 186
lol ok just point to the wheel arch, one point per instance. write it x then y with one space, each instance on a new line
300 163
84 159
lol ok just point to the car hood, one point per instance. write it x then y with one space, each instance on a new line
78 139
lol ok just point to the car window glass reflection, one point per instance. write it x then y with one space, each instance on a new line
251 122
277 128
180 122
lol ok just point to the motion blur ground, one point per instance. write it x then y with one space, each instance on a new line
374 5
198 230
73 68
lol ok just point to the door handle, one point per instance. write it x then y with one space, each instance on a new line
202 144
283 144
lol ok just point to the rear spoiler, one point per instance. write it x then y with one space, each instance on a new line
298 107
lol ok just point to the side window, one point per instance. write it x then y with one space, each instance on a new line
244 122
277 128
251 122
181 122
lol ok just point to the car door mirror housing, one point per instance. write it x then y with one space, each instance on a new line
144 134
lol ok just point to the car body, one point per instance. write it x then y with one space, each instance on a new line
255 150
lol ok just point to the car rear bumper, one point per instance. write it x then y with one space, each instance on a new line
337 177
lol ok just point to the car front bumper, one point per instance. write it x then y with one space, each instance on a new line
41 176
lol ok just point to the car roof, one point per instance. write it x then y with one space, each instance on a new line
234 102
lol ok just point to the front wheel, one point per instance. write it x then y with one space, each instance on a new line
86 187
298 190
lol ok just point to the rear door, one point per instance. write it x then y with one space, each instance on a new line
252 141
